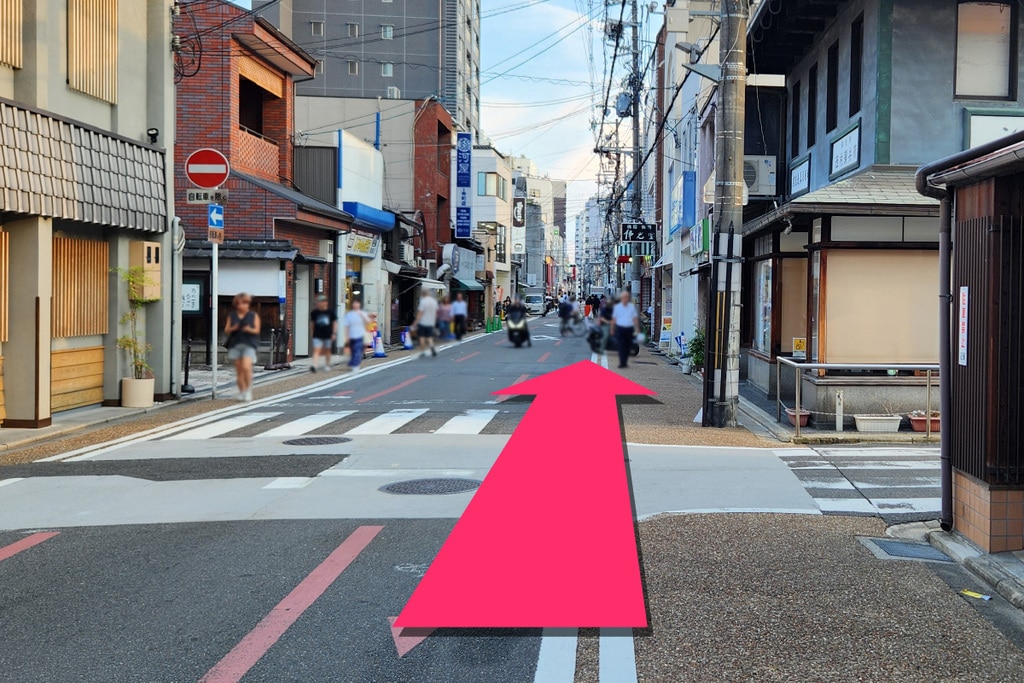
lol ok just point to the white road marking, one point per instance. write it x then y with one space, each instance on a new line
845 505
305 424
616 658
13 480
396 473
556 662
289 483
224 426
386 423
473 422
907 504
828 484
604 361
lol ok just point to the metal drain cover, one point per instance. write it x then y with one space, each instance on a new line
431 487
890 549
317 441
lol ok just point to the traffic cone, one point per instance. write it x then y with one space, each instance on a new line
406 339
378 346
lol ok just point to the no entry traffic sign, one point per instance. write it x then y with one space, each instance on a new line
207 168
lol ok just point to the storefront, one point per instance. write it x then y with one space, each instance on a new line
467 265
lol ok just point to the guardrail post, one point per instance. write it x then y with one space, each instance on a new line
928 403
839 411
796 369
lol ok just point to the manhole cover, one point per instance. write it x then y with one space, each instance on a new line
317 441
431 487
887 549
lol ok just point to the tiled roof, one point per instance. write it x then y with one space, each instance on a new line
61 169
875 185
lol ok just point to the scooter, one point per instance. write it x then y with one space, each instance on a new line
518 332
594 339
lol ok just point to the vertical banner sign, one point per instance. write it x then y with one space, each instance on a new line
519 212
463 185
962 348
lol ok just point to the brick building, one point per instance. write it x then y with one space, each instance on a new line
237 94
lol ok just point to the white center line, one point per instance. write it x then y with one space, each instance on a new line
556 662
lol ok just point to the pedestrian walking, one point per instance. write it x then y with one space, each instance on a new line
460 311
355 332
606 319
627 324
444 319
426 321
243 339
323 331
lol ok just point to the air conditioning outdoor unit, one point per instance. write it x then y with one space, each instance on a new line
759 175
408 253
327 249
394 93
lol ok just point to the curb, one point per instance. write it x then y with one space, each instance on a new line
982 565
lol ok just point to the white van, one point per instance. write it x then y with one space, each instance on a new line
534 303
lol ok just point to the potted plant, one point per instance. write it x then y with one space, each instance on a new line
695 351
136 390
888 421
919 421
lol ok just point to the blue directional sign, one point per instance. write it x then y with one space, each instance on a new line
215 216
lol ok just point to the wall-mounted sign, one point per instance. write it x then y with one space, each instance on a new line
700 237
799 348
191 297
363 244
845 152
518 212
637 232
464 160
518 248
962 327
986 127
800 177
463 223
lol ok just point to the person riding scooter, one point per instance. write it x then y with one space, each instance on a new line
515 321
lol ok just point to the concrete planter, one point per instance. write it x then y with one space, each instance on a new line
878 423
137 393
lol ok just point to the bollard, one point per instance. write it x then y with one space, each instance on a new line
187 388
839 411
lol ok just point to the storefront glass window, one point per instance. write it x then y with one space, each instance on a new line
763 306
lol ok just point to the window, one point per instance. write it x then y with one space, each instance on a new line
985 50
832 89
812 106
763 306
10 31
353 30
856 62
92 48
794 134
250 106
319 66
387 69
353 68
387 32
317 27
491 185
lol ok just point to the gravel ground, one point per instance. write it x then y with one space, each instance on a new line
797 598
670 421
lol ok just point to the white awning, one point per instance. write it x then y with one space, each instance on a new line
660 262
431 284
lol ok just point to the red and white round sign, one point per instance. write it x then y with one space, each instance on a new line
207 168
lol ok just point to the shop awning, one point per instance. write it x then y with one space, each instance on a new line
660 262
468 285
431 284
304 203
367 217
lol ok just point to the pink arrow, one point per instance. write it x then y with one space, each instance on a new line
548 540
407 638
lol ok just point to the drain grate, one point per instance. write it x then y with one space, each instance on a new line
317 441
888 549
431 487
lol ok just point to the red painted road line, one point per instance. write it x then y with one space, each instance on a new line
344 393
394 388
544 358
499 342
251 649
459 360
559 342
505 397
25 543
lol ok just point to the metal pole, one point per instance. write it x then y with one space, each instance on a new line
214 331
796 373
928 403
636 271
778 391
729 179
946 358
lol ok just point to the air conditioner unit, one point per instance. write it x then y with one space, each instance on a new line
327 249
394 93
408 253
759 176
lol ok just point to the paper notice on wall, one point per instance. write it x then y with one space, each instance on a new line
962 327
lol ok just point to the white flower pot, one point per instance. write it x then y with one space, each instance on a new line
685 365
878 423
137 393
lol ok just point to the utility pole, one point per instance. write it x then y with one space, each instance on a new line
638 184
729 204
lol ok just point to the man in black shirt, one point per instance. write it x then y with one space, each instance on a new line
323 330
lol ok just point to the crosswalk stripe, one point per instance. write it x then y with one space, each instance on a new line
222 426
473 422
616 656
386 423
305 424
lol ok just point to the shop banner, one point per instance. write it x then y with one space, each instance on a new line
519 212
464 160
363 244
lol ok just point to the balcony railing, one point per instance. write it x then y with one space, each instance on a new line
256 153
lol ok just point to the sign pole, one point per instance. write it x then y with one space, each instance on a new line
214 332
